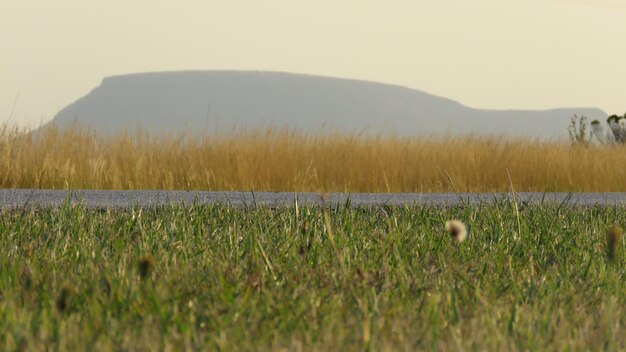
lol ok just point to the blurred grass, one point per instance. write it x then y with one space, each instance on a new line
389 278
285 160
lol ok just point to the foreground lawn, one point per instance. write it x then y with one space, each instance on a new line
387 278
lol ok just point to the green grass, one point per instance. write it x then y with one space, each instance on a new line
385 278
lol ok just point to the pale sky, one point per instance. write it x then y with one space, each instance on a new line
501 54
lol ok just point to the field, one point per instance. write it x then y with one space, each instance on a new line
198 277
285 160
529 277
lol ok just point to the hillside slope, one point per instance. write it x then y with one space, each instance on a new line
207 100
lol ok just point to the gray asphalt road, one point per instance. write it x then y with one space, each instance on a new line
17 198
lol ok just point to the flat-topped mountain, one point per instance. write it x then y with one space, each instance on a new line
198 101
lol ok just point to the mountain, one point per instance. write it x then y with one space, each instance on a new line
199 101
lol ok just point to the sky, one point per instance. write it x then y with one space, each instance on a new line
499 54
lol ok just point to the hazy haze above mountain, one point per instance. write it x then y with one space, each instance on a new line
207 100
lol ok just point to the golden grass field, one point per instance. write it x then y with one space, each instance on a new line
284 160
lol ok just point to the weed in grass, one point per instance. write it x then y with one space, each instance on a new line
613 242
26 279
105 286
145 266
63 300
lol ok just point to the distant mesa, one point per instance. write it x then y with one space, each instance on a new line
201 101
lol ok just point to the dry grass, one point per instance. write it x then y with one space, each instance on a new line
272 160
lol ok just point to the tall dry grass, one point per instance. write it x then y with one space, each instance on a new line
273 160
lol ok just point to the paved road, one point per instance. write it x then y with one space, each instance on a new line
17 198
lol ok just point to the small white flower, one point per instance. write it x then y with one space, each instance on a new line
457 230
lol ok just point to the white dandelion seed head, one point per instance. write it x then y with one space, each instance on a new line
457 230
